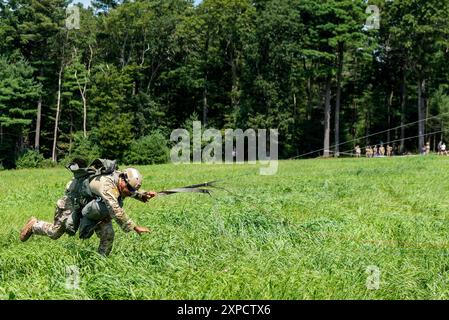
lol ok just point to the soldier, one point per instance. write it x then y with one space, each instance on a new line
65 220
375 151
110 191
389 151
443 149
358 151
369 152
382 150
427 149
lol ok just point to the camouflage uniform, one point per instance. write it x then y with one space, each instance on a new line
66 220
389 151
369 152
108 205
95 216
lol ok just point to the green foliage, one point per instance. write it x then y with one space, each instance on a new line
109 92
113 135
151 149
83 148
17 91
310 232
30 159
235 63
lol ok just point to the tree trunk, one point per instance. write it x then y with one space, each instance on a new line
434 142
84 116
206 57
38 125
309 99
338 97
233 61
89 65
327 117
205 106
295 121
295 106
403 107
421 88
38 119
83 90
58 108
71 133
235 87
309 93
426 110
367 127
390 104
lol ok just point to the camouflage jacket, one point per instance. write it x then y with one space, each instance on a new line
106 187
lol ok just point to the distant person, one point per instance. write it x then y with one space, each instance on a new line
375 151
358 151
423 150
427 148
382 151
369 152
443 149
389 151
439 147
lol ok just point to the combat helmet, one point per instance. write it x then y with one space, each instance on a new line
133 179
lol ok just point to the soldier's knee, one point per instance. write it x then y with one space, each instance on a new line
106 242
56 232
108 234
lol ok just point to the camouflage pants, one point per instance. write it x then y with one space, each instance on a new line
67 221
96 219
63 215
105 232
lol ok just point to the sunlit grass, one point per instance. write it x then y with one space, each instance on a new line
309 232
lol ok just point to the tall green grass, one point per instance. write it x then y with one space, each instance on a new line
309 232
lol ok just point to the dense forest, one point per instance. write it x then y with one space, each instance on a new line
119 81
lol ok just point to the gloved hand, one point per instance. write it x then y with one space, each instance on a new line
141 230
148 195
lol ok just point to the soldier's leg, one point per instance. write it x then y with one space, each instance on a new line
105 232
92 214
56 229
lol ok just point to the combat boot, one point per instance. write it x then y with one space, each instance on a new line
27 230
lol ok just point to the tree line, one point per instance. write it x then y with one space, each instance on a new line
322 72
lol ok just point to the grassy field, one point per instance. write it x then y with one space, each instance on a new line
309 232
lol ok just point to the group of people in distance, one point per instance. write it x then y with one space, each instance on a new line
381 151
375 151
442 149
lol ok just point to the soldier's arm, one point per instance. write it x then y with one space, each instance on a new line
110 195
143 196
140 196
